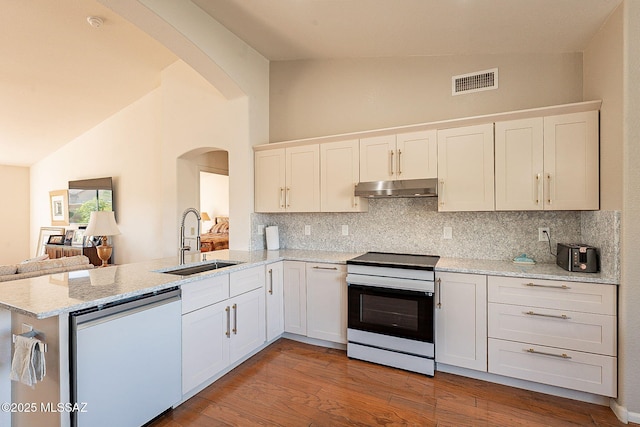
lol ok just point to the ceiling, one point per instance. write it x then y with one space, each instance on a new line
323 29
60 77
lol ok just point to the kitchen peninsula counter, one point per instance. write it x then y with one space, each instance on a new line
51 295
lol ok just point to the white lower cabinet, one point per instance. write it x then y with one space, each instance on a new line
553 332
461 320
217 330
327 302
274 296
315 300
295 297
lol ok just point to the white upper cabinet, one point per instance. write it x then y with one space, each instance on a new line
519 164
410 155
571 162
339 173
549 163
417 155
465 169
377 162
288 179
270 180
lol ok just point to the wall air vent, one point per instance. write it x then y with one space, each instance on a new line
474 82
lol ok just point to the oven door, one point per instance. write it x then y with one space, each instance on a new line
394 312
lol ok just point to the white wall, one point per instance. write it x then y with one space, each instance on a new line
126 147
214 194
14 215
326 97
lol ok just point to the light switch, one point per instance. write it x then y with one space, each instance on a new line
345 230
447 233
307 230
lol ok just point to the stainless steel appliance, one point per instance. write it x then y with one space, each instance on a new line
398 188
126 360
577 257
390 310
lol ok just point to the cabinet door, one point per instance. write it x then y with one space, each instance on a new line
274 292
327 302
247 324
461 320
571 162
302 193
339 173
295 298
417 155
205 345
519 165
465 169
377 158
270 180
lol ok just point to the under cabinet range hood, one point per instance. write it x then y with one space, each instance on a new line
402 188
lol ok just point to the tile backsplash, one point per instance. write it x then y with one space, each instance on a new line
414 225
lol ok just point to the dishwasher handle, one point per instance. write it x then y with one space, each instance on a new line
96 315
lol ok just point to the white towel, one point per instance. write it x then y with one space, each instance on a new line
28 365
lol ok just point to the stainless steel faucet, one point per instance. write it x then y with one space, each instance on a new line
183 248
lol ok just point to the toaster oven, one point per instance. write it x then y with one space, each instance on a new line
578 257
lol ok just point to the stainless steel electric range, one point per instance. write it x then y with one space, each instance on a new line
390 318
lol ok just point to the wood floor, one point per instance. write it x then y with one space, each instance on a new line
295 384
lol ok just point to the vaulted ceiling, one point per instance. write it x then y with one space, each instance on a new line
59 76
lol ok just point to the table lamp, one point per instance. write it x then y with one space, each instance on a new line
103 224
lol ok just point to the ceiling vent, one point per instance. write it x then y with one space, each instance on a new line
474 82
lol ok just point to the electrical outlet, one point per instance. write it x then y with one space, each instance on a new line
543 237
261 229
307 230
345 230
193 231
447 233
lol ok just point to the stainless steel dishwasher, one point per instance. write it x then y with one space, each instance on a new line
126 360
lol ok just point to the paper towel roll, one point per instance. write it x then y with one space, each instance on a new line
273 238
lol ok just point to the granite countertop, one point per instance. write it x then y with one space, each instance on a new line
51 295
510 269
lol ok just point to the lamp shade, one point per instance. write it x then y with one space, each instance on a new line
205 216
102 223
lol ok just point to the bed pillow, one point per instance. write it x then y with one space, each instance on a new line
220 228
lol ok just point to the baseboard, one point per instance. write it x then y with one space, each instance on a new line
526 385
314 341
620 411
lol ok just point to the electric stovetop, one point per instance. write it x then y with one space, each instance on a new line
384 259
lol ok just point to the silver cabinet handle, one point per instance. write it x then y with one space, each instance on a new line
399 161
391 162
555 316
281 194
536 285
270 281
235 319
549 188
537 189
325 268
287 197
355 199
544 353
441 192
439 282
228 333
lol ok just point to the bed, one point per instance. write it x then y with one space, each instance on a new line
217 237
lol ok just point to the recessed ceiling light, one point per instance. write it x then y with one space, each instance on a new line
95 21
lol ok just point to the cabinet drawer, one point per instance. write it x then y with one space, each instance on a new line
574 296
246 280
593 333
204 292
591 373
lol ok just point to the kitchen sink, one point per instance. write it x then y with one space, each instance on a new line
187 271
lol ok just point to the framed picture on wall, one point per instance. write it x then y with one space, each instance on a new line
59 204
